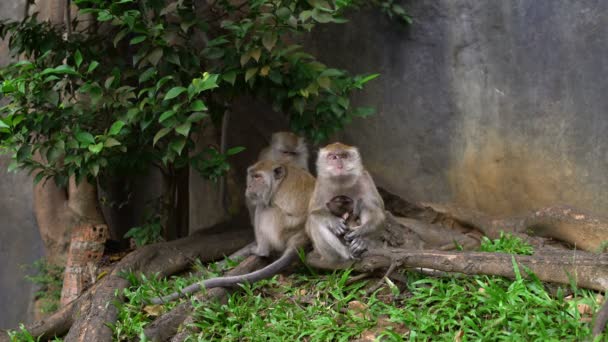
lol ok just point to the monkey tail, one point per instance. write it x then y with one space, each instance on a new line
285 260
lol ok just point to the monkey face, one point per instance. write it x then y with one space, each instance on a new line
340 205
263 179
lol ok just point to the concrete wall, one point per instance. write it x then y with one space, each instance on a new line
495 105
20 243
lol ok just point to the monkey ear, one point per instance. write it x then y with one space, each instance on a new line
279 172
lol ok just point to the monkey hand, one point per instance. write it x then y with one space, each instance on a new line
357 247
338 227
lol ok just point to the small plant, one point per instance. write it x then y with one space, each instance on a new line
49 278
506 243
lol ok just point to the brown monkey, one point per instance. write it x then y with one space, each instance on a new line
280 193
286 147
341 173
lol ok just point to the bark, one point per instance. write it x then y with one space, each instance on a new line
601 318
86 249
167 325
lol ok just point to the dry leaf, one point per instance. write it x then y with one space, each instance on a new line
153 310
584 309
359 309
458 336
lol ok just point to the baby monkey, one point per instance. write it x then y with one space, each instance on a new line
345 208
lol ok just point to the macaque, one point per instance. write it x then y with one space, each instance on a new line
345 208
341 173
286 147
279 193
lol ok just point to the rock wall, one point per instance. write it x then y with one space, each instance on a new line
20 243
495 105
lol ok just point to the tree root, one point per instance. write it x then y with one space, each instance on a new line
87 316
601 318
585 269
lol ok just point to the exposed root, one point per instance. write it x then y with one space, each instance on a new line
601 318
587 270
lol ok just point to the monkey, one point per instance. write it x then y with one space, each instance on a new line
280 193
345 208
340 172
286 147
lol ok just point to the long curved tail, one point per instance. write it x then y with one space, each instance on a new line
285 260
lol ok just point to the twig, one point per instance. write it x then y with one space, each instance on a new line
380 282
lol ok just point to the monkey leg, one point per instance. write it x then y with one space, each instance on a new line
329 245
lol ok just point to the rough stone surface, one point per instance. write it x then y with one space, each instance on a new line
19 238
495 105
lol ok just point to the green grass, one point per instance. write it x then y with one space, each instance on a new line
322 307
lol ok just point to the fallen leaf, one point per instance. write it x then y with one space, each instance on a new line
359 309
153 310
458 336
584 309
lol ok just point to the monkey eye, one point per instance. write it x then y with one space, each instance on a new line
332 157
257 176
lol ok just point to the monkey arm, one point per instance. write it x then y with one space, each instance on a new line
290 255
323 217
371 218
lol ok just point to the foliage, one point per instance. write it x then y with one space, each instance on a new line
49 279
149 232
129 88
506 243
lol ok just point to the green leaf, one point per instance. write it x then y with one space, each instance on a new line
174 92
147 75
229 77
269 40
137 40
2 124
321 17
13 166
235 150
116 127
331 73
283 13
250 73
96 148
161 133
24 152
183 129
38 177
178 145
155 56
196 117
92 66
94 169
119 36
198 106
111 142
109 81
164 116
85 138
78 58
